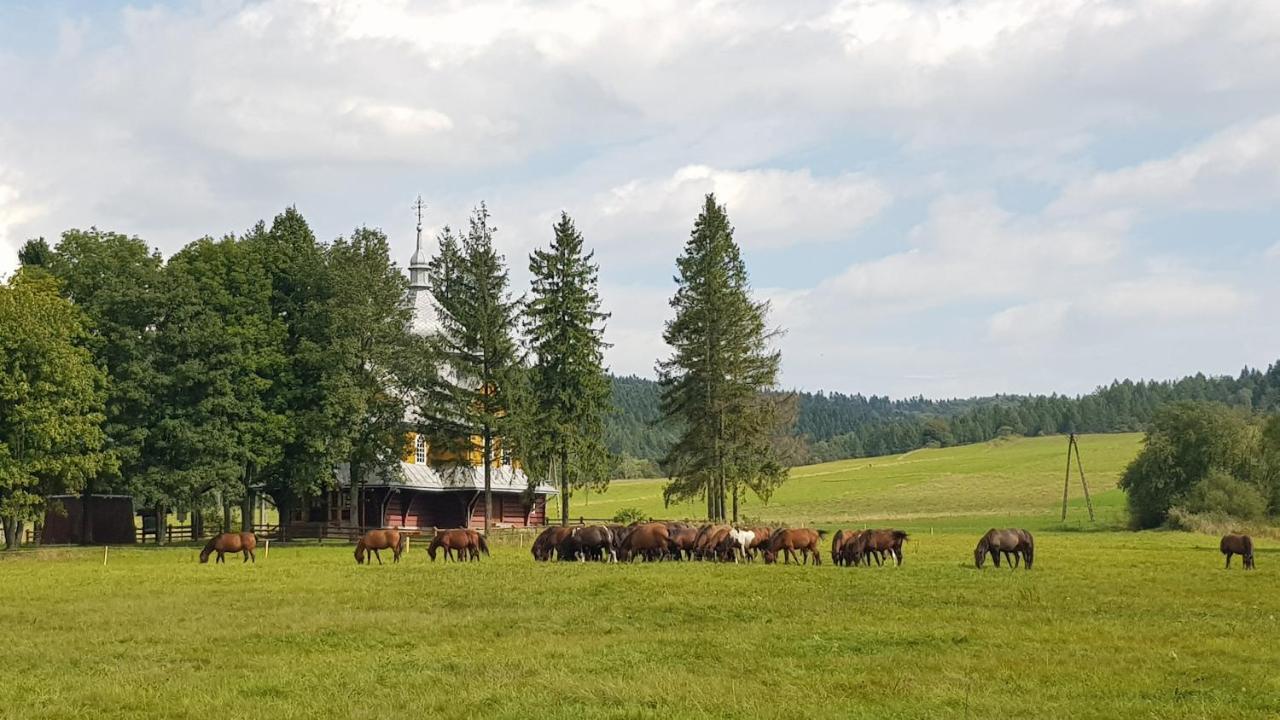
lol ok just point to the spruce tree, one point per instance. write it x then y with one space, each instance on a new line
569 388
716 384
477 346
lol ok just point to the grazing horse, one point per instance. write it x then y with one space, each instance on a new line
595 541
243 542
549 542
1241 545
791 540
761 542
710 541
1013 543
879 542
465 543
682 541
376 540
841 540
741 541
650 540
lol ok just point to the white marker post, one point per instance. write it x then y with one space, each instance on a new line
105 548
266 553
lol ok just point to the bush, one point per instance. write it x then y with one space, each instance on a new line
626 516
1219 493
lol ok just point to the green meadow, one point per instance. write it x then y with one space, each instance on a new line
973 486
1109 624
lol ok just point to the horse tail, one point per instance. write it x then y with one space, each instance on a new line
400 542
899 535
1031 549
1247 542
484 546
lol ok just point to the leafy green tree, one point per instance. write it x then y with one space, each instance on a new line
307 389
570 391
35 253
1187 441
117 282
374 352
218 348
719 369
51 401
483 367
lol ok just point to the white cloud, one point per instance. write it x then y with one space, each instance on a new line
1167 298
770 208
1031 323
13 214
1235 168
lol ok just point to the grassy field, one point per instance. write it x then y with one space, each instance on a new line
961 487
1109 624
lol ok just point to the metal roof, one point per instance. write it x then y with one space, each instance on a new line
504 479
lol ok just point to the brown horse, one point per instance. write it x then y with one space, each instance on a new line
376 540
244 542
650 540
465 543
839 542
877 543
792 540
1241 545
549 542
682 541
593 542
710 540
1013 543
761 542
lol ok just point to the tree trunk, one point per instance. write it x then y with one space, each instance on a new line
488 476
355 494
564 487
197 523
12 536
86 518
735 502
161 513
226 515
284 509
246 505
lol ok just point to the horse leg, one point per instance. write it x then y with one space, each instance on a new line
1228 559
377 555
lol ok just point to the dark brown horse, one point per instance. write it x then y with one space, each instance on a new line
652 541
376 540
792 540
465 543
1013 543
1241 545
842 539
594 542
244 542
877 543
549 542
710 540
761 542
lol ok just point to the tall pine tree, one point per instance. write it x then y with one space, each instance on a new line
476 343
717 383
569 388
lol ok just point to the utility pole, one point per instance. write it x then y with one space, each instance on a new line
1073 446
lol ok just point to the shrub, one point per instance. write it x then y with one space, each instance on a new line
1219 493
626 516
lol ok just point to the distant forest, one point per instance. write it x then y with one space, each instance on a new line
835 426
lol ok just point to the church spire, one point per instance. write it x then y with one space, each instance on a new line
418 263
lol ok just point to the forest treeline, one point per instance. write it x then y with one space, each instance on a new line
836 426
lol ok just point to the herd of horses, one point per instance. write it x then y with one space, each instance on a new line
658 541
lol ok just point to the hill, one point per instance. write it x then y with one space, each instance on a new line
1016 480
837 426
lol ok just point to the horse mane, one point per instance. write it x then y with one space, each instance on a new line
209 547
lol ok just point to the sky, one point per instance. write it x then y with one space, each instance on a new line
938 198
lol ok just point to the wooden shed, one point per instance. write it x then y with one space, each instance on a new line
91 520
